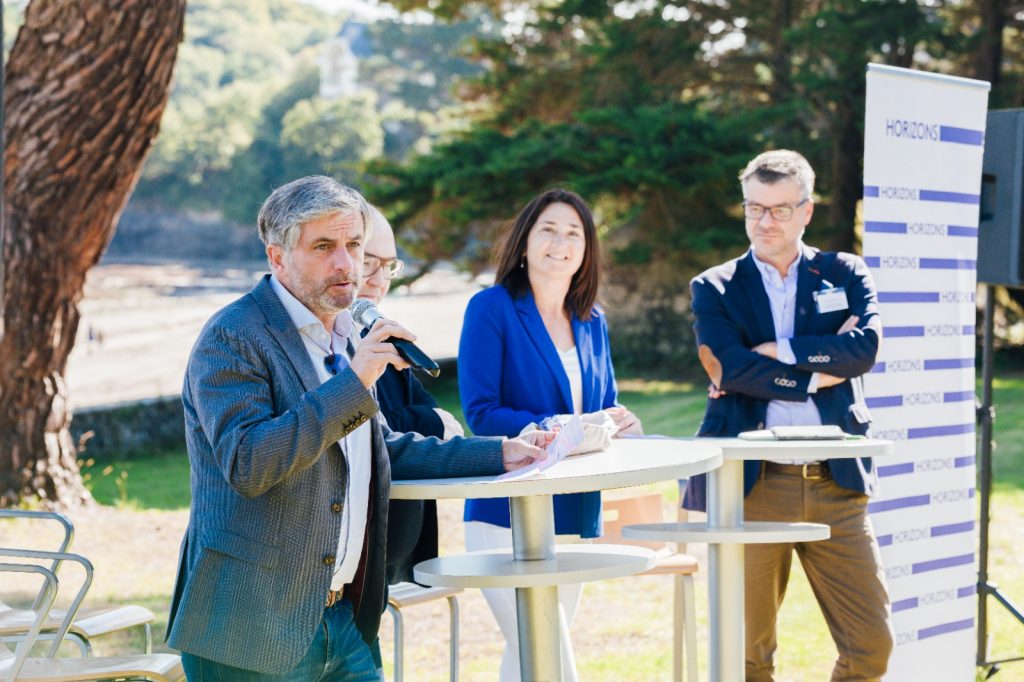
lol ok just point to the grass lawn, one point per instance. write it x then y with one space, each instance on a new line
622 631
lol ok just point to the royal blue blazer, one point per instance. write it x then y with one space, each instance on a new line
510 375
732 315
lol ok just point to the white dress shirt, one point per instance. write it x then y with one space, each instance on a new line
355 447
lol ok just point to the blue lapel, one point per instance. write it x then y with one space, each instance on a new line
808 281
530 318
757 298
285 333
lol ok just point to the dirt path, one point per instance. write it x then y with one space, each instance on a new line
140 321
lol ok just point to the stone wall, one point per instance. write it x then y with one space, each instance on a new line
133 428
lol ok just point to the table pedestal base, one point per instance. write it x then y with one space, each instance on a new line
537 613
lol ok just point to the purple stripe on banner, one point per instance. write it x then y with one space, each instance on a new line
870 190
896 469
938 564
961 231
968 330
957 396
966 461
881 226
877 368
872 261
899 503
896 332
884 540
952 529
925 633
946 264
951 197
961 136
967 591
945 430
908 297
885 401
904 604
949 363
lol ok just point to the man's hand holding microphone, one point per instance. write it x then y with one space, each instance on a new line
376 351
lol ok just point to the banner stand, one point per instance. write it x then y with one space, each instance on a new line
986 417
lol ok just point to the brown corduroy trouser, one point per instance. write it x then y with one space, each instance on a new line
845 573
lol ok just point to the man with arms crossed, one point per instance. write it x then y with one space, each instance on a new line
282 565
785 333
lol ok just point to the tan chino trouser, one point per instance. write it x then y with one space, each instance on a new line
845 573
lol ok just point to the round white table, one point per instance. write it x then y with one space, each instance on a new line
726 534
535 566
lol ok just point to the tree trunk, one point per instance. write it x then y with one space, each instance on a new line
87 84
988 61
847 180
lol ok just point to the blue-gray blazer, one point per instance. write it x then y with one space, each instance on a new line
268 487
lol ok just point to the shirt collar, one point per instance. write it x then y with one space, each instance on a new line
769 270
304 319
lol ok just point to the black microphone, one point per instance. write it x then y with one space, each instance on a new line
365 314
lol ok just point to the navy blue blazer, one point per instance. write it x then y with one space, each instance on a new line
510 375
412 524
732 315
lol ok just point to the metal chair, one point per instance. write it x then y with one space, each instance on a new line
88 623
404 595
670 561
17 666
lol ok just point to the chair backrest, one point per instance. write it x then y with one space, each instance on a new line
628 511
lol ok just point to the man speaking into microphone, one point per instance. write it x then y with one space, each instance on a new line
281 575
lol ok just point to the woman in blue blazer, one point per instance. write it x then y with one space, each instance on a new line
535 345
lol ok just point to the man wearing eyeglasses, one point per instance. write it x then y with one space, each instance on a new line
406 407
785 333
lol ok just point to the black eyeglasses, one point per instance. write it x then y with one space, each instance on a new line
333 363
390 266
780 213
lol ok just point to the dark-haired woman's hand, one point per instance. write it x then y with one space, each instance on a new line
626 422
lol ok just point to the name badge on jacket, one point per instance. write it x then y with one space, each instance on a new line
831 299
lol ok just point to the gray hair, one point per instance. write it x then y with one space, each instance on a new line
779 164
300 201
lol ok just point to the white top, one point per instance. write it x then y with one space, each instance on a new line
571 362
627 462
355 446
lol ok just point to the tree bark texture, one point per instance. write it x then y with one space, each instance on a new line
87 83
988 65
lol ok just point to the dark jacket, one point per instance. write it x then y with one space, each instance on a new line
412 524
732 315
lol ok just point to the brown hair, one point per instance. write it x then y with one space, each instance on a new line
511 251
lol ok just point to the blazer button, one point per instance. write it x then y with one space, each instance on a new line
329 560
336 507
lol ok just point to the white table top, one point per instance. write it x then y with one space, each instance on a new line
628 462
810 450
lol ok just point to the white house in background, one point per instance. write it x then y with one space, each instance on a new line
339 60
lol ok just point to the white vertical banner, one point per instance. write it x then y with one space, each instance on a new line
923 148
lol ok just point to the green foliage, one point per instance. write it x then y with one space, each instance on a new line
245 116
331 136
649 110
